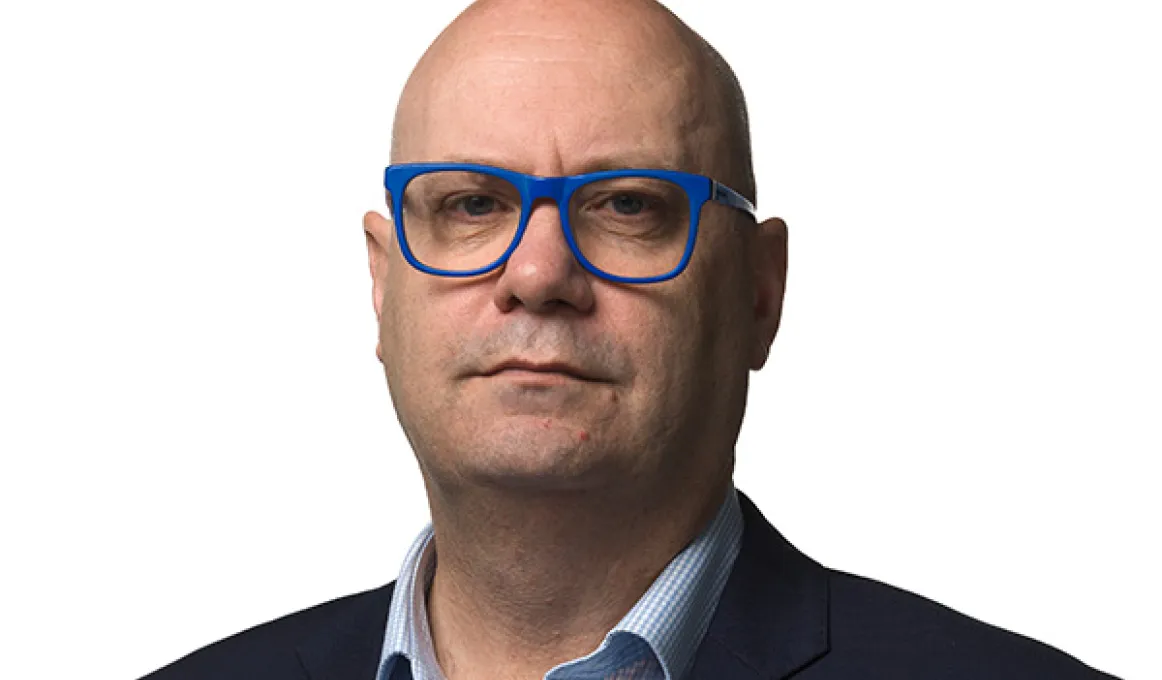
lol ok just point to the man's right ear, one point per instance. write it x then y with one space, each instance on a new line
378 231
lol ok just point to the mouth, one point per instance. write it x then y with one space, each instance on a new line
539 371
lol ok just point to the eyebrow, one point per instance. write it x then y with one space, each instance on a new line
595 164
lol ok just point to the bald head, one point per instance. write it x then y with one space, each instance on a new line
564 86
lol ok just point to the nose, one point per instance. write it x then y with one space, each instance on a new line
542 274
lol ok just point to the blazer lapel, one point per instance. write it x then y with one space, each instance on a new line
772 619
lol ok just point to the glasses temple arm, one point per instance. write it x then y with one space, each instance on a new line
727 196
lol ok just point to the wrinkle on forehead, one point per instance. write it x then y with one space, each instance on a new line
675 97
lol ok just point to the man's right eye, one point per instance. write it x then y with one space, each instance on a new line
476 205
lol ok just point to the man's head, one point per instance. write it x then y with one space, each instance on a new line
563 87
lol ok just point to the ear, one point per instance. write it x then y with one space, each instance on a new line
769 276
378 231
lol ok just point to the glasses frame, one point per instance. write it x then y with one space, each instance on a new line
699 188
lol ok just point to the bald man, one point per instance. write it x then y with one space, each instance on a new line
572 288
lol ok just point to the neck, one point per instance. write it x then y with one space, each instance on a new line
527 580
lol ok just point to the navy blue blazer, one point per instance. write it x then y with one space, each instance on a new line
782 615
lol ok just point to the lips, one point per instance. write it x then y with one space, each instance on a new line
550 367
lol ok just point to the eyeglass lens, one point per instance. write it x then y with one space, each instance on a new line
626 226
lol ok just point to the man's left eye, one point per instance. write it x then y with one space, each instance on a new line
628 204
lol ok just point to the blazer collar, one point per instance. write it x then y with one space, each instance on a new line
772 619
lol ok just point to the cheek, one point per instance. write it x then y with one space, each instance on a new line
408 330
395 323
660 331
423 330
717 311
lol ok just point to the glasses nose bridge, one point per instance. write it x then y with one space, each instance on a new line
537 188
533 189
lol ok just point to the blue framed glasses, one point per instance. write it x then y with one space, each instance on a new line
628 226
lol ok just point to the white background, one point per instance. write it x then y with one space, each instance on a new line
196 436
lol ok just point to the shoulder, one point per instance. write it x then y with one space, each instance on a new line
351 625
875 625
785 614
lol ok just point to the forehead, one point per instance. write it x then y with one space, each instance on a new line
551 102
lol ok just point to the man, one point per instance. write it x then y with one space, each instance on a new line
569 360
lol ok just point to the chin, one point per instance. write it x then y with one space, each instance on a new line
538 454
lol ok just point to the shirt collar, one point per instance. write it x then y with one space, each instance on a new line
671 618
407 633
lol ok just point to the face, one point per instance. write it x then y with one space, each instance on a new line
540 375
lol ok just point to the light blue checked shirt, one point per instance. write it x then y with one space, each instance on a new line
656 640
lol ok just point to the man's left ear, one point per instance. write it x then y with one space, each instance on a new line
769 277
